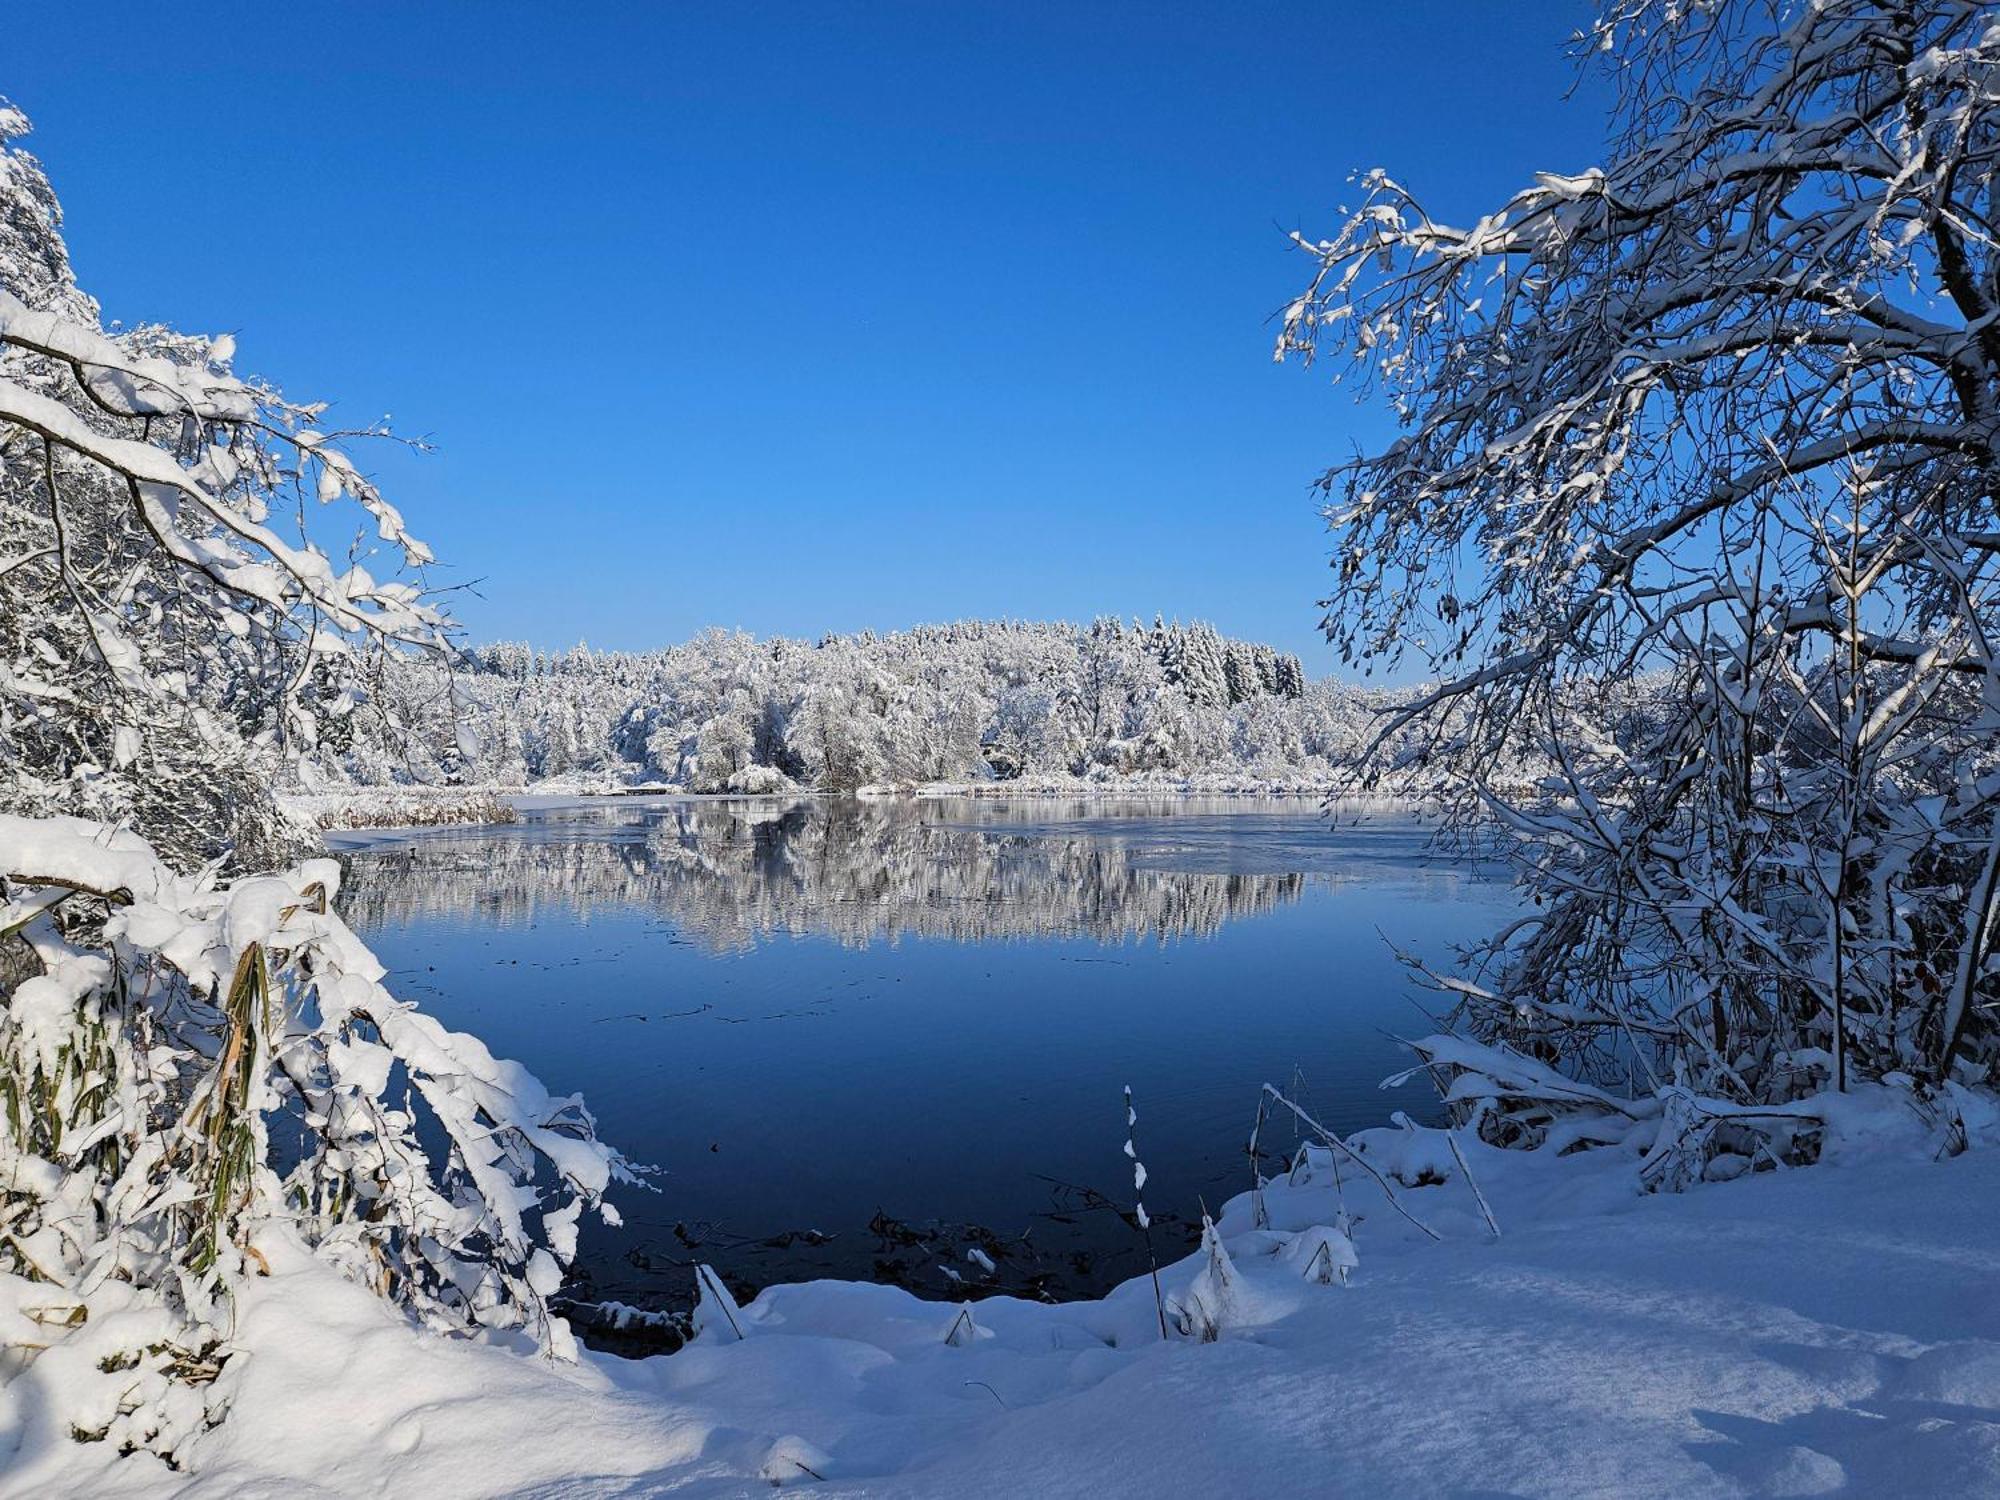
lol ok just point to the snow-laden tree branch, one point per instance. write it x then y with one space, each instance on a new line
164 640
1699 464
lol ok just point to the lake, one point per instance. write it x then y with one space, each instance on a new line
867 1038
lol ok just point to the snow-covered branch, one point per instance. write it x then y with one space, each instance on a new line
1700 447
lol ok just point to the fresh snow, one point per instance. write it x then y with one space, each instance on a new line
1828 1330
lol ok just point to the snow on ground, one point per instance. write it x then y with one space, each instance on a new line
1822 1331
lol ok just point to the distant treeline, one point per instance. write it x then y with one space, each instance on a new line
978 700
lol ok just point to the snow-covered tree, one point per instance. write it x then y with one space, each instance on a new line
1694 501
164 642
198 1074
831 737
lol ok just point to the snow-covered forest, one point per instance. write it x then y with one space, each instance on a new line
1687 529
973 701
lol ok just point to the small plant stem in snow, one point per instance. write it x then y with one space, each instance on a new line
1258 1216
1451 1139
1352 1155
1139 1207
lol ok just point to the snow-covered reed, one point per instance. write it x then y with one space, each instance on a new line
1139 1215
401 807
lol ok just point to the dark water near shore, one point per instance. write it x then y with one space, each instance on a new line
864 1038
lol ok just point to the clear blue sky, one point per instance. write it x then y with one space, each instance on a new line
793 317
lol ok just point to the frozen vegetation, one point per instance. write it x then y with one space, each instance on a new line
403 806
1689 524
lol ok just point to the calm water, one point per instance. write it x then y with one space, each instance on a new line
904 1027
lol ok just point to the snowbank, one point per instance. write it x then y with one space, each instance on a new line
1819 1331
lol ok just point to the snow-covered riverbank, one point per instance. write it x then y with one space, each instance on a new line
1820 1331
340 809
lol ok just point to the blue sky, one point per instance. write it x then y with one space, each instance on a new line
794 317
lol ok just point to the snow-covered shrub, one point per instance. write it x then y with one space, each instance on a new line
758 781
187 1065
1679 1135
1693 508
1211 1302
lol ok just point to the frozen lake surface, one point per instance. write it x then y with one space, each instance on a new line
865 1038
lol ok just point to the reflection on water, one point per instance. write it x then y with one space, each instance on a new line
732 873
836 1021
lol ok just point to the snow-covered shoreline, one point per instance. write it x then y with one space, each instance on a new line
1819 1331
372 809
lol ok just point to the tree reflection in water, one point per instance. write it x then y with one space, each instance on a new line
731 872
832 1019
